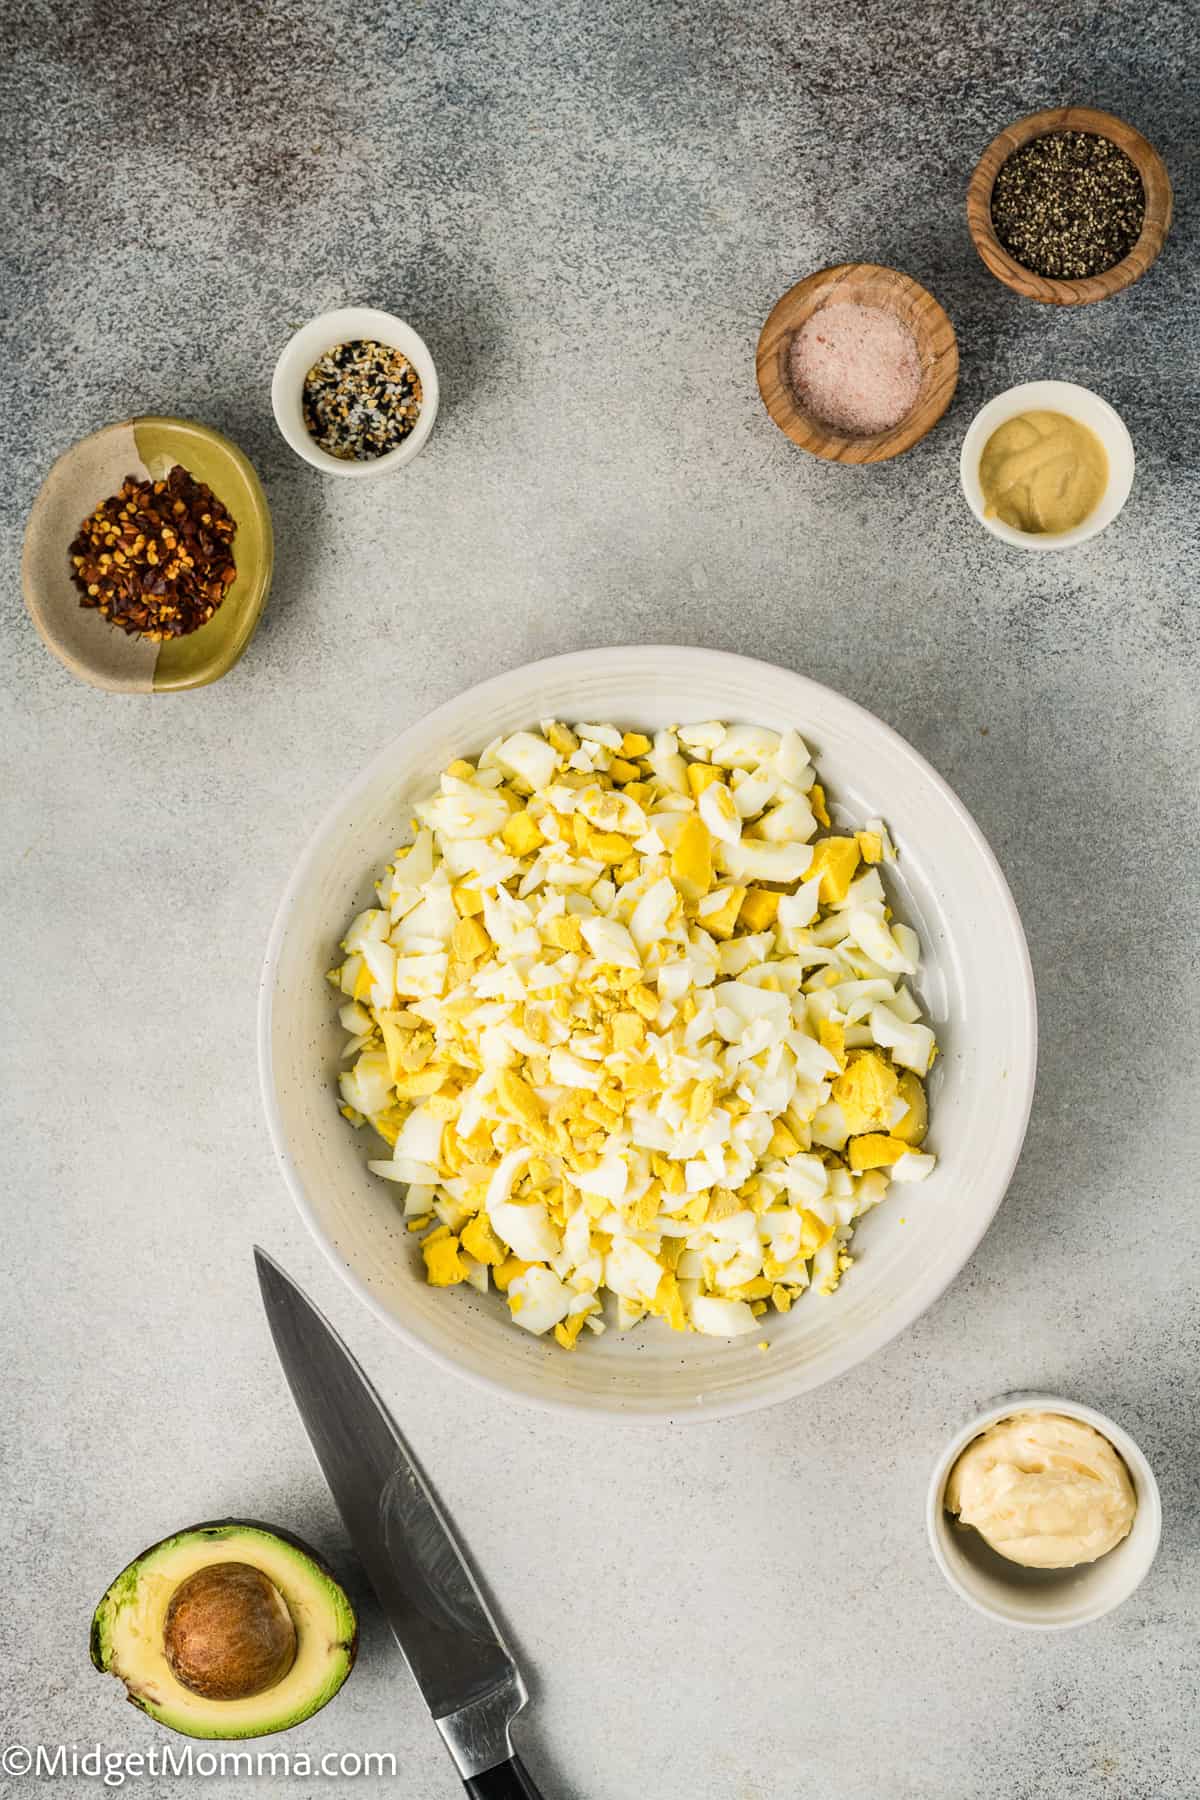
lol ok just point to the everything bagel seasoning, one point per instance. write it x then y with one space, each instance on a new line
361 400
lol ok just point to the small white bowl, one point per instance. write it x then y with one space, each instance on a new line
1078 403
1043 1599
310 343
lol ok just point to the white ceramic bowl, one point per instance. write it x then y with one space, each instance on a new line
311 342
976 986
1043 1599
1078 403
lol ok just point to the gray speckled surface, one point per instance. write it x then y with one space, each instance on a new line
588 210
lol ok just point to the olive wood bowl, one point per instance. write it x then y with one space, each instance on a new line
1156 185
858 284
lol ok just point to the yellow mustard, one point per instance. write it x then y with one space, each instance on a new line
1042 472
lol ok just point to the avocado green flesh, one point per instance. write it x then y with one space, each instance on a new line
127 1631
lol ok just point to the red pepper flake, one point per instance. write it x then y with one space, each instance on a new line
155 559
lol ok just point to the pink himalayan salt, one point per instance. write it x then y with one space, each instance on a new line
856 368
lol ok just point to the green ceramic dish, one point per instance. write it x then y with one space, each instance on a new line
88 473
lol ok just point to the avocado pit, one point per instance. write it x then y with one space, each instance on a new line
228 1633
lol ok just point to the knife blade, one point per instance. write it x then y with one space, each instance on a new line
438 1617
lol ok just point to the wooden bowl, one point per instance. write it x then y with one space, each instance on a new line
1156 184
86 474
858 284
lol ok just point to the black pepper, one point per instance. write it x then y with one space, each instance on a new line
1068 205
361 400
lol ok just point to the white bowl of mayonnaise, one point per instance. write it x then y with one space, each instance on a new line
1043 1513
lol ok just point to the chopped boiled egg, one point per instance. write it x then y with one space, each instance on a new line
632 1028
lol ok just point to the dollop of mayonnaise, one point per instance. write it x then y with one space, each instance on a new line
1043 1490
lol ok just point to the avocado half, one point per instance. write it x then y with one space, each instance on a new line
229 1629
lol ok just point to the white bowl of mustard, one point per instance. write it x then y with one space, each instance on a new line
1021 1593
1046 465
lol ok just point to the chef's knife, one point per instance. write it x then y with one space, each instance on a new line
438 1616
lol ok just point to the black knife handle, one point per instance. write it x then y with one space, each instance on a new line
507 1781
